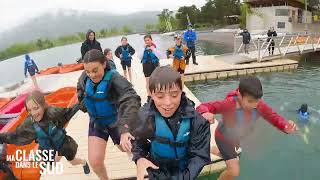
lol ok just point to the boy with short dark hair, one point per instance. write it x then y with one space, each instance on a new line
240 110
172 139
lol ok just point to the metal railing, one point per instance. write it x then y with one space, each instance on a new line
302 42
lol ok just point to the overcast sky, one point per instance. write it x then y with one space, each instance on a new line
14 12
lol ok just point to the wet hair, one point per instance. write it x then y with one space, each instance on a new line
304 108
106 51
147 36
165 77
37 97
95 55
124 38
250 86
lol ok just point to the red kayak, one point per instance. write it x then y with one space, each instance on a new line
15 106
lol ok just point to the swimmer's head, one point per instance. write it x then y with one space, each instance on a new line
36 105
95 64
304 108
165 85
250 92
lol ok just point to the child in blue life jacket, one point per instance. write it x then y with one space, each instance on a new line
45 124
125 52
172 138
108 54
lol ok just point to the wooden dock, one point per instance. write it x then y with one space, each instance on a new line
119 164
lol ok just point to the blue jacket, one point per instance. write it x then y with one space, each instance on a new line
101 110
29 65
190 37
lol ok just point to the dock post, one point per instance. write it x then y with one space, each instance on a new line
259 49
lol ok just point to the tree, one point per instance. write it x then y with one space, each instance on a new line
164 20
192 11
39 43
126 29
313 3
149 27
245 11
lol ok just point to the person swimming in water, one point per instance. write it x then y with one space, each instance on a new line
303 114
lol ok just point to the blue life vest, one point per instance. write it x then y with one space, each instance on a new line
112 64
165 148
29 62
148 55
101 110
126 56
303 117
51 140
30 65
178 52
241 123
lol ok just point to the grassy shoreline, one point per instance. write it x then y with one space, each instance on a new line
18 49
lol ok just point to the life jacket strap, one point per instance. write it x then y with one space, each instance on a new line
164 140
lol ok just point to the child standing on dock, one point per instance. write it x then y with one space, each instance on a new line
112 105
108 54
240 110
45 124
149 59
172 139
32 68
125 52
179 53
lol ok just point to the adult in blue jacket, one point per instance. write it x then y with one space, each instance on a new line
190 37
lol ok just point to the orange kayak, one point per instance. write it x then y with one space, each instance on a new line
50 70
4 101
70 68
64 97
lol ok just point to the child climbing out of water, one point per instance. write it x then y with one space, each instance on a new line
108 54
179 53
149 59
32 68
125 52
45 124
172 139
112 105
240 110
